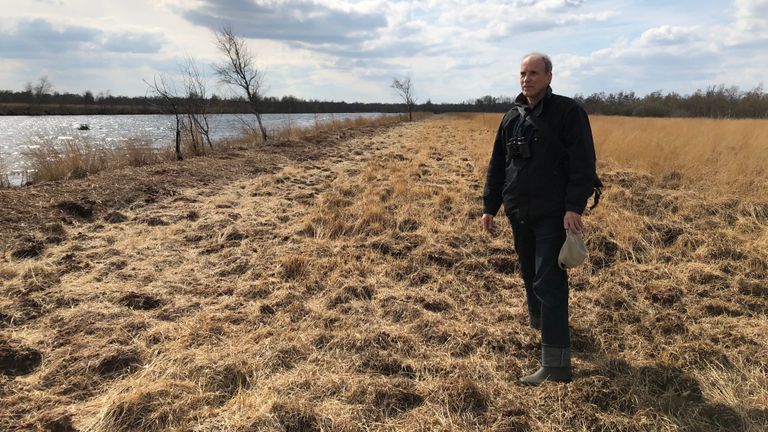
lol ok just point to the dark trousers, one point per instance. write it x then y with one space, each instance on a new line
538 243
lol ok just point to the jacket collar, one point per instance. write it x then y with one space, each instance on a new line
521 101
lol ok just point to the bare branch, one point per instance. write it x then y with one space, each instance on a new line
239 70
198 104
404 89
164 89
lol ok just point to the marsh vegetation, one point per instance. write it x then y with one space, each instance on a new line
340 281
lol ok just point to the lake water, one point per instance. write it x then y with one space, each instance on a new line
21 133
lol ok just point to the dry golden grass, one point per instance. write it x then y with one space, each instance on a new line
79 159
319 130
352 289
722 156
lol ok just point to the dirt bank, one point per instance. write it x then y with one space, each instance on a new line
345 285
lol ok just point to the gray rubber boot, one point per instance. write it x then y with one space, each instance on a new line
555 366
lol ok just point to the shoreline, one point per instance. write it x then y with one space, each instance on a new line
31 207
17 166
35 110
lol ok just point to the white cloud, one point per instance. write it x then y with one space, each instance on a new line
667 35
677 58
454 49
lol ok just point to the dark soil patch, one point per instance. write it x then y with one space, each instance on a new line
57 422
716 307
435 305
505 264
226 381
396 399
756 288
140 301
56 229
664 294
236 236
156 221
722 417
605 251
239 268
350 293
54 239
72 263
442 257
295 417
194 238
75 209
465 397
118 362
668 235
16 360
408 225
115 217
27 247
385 364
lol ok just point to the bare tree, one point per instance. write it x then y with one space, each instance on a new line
166 91
404 89
198 105
239 70
44 86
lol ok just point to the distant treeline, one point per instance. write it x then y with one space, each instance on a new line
715 101
28 103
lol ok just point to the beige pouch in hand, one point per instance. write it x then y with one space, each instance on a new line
573 252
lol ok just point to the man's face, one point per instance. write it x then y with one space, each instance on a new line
533 78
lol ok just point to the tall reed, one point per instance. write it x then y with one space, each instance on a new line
80 158
4 181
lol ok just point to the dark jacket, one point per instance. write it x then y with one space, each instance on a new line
558 176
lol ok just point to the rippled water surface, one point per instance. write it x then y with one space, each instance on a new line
20 133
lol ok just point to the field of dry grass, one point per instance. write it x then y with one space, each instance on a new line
344 284
721 156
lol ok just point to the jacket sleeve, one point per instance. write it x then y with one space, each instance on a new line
581 160
494 182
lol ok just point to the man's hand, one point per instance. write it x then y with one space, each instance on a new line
572 221
487 221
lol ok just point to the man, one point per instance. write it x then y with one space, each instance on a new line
543 170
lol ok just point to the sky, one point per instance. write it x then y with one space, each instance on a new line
453 50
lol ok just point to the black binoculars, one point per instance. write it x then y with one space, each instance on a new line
518 148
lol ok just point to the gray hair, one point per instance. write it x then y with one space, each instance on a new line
547 60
